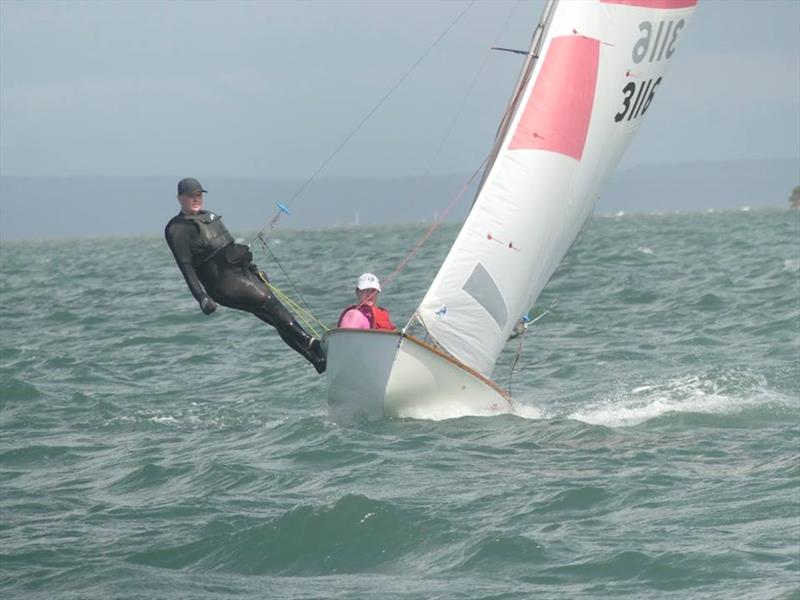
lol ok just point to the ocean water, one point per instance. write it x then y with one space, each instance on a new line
149 451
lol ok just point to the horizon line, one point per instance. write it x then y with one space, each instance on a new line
369 176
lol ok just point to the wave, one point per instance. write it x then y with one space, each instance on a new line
12 388
700 395
356 534
722 394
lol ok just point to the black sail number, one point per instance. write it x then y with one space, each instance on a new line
628 90
636 99
647 102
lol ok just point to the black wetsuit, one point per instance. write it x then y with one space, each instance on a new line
213 265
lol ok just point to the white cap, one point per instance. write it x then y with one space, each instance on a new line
368 281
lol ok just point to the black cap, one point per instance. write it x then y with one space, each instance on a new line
188 186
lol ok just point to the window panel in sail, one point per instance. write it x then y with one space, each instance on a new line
482 288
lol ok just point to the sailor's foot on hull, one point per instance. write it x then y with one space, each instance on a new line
308 347
316 356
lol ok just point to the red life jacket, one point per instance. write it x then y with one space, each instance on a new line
377 316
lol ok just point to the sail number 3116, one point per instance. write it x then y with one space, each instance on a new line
647 89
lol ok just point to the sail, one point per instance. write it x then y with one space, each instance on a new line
600 65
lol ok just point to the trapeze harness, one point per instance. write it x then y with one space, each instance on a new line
214 236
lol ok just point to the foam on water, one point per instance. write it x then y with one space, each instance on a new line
529 411
690 394
455 411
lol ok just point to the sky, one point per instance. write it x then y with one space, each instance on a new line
272 89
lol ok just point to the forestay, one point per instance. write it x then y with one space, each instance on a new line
601 64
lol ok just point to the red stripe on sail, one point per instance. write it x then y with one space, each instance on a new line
556 117
653 3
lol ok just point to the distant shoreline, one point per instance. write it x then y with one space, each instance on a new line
83 206
283 230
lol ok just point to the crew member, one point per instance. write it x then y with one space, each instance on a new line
217 270
366 314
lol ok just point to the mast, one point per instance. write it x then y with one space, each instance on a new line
522 81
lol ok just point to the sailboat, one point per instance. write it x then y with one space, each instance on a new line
589 77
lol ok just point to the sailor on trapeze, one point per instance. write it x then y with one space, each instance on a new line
217 270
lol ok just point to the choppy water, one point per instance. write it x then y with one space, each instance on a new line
151 452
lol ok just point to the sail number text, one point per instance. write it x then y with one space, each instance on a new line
656 42
664 40
643 92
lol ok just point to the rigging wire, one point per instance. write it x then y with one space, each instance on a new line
525 323
435 225
285 274
366 117
471 87
438 222
282 208
305 316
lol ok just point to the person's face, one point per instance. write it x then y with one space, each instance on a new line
367 296
191 204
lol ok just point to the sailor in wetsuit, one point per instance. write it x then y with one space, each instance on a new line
217 270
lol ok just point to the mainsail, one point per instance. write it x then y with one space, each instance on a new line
600 64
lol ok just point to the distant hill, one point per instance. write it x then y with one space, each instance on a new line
50 207
794 199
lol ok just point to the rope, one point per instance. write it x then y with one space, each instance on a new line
282 208
526 323
301 314
387 281
306 310
471 86
435 225
518 354
366 118
285 274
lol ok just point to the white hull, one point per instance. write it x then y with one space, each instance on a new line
374 374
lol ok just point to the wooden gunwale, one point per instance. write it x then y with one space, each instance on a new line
435 350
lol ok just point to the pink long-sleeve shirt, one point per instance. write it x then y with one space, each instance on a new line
354 319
